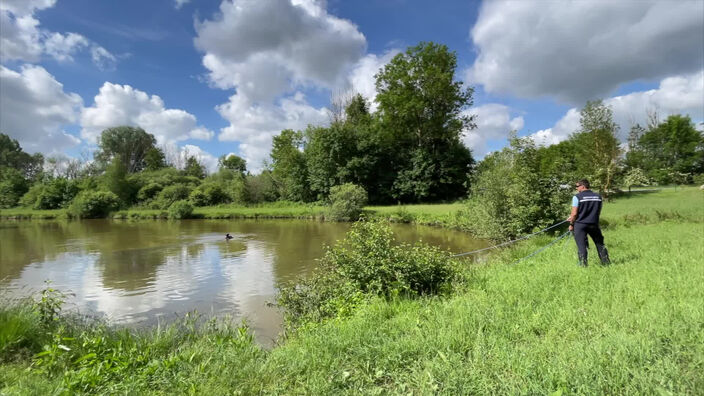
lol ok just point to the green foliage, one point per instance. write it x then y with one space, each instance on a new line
289 170
260 188
233 163
698 179
12 156
194 168
154 159
366 263
171 194
509 197
149 191
55 193
49 305
180 210
94 204
670 148
208 194
421 105
128 143
13 186
635 177
597 147
116 181
347 202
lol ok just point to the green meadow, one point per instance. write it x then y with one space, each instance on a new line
542 325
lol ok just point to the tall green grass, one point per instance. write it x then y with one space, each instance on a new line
538 326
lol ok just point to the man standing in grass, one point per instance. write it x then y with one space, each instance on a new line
584 220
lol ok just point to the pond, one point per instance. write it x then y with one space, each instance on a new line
140 273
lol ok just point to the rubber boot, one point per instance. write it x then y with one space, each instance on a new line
603 255
583 261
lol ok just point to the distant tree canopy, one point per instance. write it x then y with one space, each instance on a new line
131 144
596 145
404 148
408 151
18 170
233 163
421 105
12 156
669 148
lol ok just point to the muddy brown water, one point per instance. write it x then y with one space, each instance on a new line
142 273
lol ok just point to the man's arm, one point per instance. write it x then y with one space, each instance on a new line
573 213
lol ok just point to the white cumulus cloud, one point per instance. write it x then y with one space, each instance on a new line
34 109
575 50
682 94
269 51
254 125
117 105
494 122
362 80
22 39
264 47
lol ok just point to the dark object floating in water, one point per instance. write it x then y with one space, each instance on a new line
228 236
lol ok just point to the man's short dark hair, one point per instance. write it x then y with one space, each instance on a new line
583 182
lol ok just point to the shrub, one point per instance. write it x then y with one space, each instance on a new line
261 188
347 202
56 193
698 179
198 198
180 210
94 204
366 263
12 187
149 191
238 190
510 198
208 194
171 194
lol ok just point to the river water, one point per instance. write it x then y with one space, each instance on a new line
141 273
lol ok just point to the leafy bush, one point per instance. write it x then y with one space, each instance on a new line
171 194
55 193
198 198
261 188
149 191
180 210
509 198
366 263
94 204
238 190
698 179
208 194
347 202
12 187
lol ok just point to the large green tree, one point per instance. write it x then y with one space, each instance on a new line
131 144
597 147
194 168
12 156
233 163
288 163
422 105
674 145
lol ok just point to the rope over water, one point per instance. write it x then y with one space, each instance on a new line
514 241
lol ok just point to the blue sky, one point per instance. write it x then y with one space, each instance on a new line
214 77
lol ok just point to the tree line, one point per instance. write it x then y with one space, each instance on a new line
407 150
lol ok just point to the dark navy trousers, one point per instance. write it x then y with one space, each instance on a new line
581 230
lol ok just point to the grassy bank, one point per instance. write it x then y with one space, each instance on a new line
275 210
540 326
